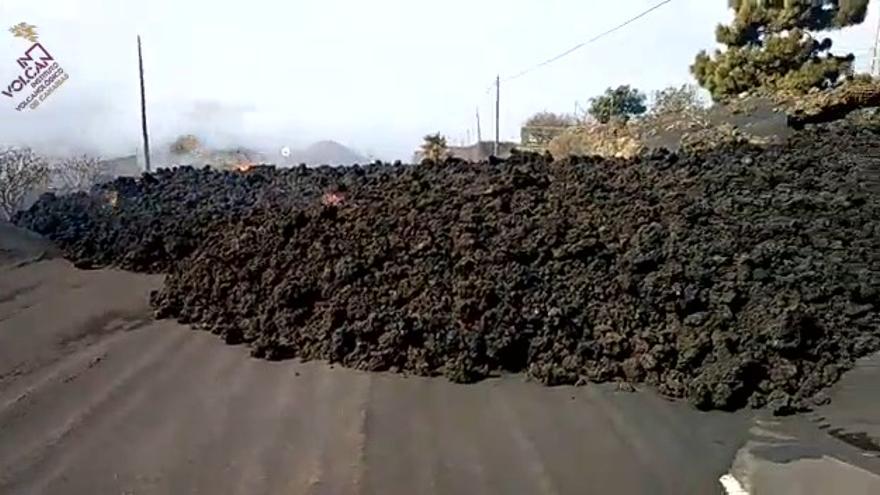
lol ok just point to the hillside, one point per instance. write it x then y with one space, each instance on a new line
327 152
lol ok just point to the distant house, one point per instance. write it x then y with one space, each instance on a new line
126 166
476 152
537 138
481 151
222 159
231 158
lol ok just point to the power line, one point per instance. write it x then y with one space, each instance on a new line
585 43
498 80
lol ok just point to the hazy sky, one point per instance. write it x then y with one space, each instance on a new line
375 75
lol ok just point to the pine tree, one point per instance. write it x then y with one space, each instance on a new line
769 46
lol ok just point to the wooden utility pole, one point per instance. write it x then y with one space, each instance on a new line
479 130
497 109
143 108
875 56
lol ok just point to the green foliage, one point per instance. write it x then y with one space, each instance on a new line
434 147
756 18
550 119
675 100
769 46
622 102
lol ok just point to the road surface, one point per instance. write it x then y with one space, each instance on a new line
97 397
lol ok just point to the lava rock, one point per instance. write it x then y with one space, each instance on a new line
699 275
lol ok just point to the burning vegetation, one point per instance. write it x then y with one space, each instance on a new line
243 166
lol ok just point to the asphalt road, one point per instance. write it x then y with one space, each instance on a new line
96 397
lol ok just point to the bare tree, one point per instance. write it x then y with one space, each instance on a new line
77 173
22 174
677 100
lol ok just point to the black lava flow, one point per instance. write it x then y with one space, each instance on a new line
740 276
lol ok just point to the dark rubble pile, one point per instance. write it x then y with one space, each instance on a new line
733 277
147 224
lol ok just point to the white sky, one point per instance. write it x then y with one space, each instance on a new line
376 75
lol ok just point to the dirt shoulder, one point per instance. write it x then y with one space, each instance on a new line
18 245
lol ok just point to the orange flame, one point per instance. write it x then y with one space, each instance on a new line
243 166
